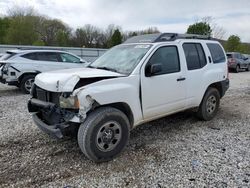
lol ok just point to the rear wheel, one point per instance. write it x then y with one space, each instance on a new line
237 69
209 105
248 67
27 83
104 134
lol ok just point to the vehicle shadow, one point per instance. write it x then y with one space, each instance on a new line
6 90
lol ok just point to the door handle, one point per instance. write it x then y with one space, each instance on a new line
180 79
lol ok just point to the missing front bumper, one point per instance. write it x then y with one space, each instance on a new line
50 118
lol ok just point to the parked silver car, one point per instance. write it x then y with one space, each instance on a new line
19 67
237 61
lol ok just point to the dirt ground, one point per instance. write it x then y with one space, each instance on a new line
176 151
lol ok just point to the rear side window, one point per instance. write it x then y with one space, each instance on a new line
195 56
168 57
31 56
217 53
47 56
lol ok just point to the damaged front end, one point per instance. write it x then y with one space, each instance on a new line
57 113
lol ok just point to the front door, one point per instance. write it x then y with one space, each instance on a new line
164 92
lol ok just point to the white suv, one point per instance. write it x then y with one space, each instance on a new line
19 67
146 78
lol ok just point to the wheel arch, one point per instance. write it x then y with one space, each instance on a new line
218 86
124 107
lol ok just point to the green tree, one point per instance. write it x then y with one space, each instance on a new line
21 30
200 28
4 25
233 43
116 38
62 38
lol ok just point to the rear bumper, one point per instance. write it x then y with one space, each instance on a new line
225 86
232 66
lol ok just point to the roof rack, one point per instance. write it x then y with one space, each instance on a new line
163 37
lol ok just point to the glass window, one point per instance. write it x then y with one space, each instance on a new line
217 53
229 55
69 58
168 57
47 56
31 56
121 58
192 57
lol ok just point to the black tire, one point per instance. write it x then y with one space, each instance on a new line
23 84
237 69
248 67
209 105
89 133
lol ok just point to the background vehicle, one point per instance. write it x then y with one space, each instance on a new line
147 77
19 67
237 61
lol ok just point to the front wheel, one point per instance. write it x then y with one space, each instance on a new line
209 105
104 134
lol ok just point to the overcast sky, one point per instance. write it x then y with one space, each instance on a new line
166 15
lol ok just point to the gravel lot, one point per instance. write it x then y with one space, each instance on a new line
176 151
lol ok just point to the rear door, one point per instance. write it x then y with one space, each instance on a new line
196 63
164 92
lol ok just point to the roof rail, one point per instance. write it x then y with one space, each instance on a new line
163 37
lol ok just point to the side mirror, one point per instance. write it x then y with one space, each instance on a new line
152 70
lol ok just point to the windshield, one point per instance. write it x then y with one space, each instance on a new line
122 59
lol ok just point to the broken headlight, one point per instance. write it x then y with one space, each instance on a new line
70 102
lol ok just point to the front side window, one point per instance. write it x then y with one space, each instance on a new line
217 53
122 59
69 58
168 58
195 56
47 56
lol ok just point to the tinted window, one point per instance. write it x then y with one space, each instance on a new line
69 58
47 56
169 59
31 56
229 55
195 56
217 53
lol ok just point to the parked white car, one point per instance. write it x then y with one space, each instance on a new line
19 67
146 78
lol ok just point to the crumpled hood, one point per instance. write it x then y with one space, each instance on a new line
65 80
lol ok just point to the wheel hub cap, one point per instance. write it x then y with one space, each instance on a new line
211 104
108 136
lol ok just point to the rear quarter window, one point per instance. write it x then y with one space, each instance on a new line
217 53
